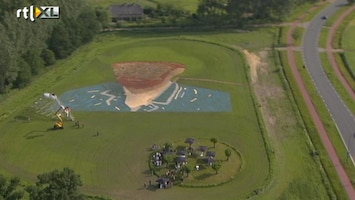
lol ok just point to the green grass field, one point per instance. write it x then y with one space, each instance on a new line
348 43
330 178
115 163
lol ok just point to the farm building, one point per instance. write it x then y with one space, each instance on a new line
126 12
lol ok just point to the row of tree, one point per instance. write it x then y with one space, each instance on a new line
56 184
240 11
27 47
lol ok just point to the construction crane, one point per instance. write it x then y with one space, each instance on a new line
59 124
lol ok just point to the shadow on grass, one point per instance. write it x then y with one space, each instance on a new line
180 148
151 188
34 134
148 172
203 176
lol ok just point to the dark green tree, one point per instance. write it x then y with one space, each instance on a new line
56 185
48 57
8 63
24 74
60 43
214 140
168 11
216 166
168 146
10 190
90 26
228 153
34 60
212 11
187 170
23 42
102 16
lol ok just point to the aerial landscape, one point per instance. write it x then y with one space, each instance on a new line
173 99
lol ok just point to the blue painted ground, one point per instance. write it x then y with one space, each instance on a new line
177 98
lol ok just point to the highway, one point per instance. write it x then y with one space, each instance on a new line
343 117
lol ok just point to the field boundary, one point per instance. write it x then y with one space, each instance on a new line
331 56
267 142
315 115
316 146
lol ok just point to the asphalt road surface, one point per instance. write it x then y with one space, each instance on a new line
341 114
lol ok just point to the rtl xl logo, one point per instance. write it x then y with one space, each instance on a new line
42 12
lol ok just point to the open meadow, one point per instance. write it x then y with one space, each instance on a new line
348 44
115 163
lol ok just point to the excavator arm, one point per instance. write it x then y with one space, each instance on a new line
58 124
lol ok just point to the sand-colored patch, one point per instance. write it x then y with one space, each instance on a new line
145 81
254 64
266 91
136 100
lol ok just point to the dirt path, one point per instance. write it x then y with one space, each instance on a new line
331 53
316 118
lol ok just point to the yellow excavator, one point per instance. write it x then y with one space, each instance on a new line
58 124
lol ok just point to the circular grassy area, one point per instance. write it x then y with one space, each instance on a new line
190 162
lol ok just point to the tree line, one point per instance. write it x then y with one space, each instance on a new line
27 48
244 11
56 184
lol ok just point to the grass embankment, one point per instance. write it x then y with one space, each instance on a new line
325 161
346 41
295 174
297 36
330 21
347 98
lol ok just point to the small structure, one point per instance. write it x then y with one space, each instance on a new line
126 12
190 141
210 161
181 160
181 153
163 182
211 154
202 150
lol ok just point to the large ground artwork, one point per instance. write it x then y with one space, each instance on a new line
144 86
